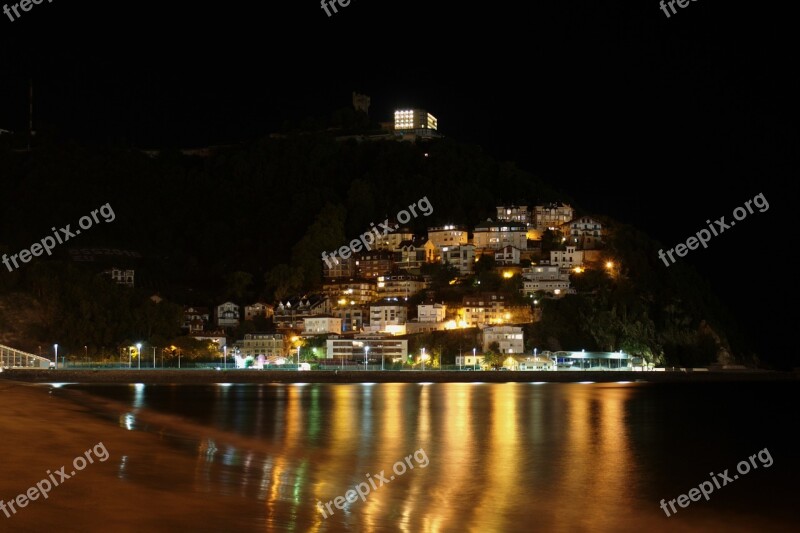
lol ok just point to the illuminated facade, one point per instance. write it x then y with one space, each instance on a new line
551 216
586 233
290 314
400 285
388 317
481 309
373 264
320 325
513 213
350 292
413 254
431 312
496 235
450 235
508 338
227 315
380 347
551 280
529 362
571 257
491 309
256 344
414 119
461 257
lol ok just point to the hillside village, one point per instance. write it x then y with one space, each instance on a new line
373 301
482 281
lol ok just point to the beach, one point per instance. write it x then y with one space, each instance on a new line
43 432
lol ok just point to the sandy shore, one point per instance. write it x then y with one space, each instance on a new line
355 376
42 432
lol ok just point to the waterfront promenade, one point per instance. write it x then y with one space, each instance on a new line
388 376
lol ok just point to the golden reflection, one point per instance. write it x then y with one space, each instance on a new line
329 477
596 457
501 457
498 455
415 491
458 468
390 404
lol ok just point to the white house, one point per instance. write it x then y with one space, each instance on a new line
227 315
549 279
496 235
509 338
529 362
450 235
431 312
571 257
395 285
321 325
585 232
375 348
388 317
507 255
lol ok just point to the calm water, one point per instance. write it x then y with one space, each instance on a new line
489 457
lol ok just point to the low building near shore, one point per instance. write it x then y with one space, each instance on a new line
369 347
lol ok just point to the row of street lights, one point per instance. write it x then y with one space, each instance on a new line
225 357
130 357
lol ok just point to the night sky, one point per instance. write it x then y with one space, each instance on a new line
662 123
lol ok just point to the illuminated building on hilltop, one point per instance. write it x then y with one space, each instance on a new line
412 123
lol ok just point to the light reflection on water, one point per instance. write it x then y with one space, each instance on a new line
503 457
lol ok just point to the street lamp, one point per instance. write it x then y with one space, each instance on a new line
423 359
225 356
86 353
56 347
366 356
139 354
474 359
154 357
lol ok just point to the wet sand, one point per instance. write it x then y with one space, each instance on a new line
199 377
42 431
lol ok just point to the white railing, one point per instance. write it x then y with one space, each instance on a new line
13 358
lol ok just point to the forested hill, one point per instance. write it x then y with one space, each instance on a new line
246 207
282 201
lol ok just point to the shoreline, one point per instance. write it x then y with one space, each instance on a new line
43 431
201 377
